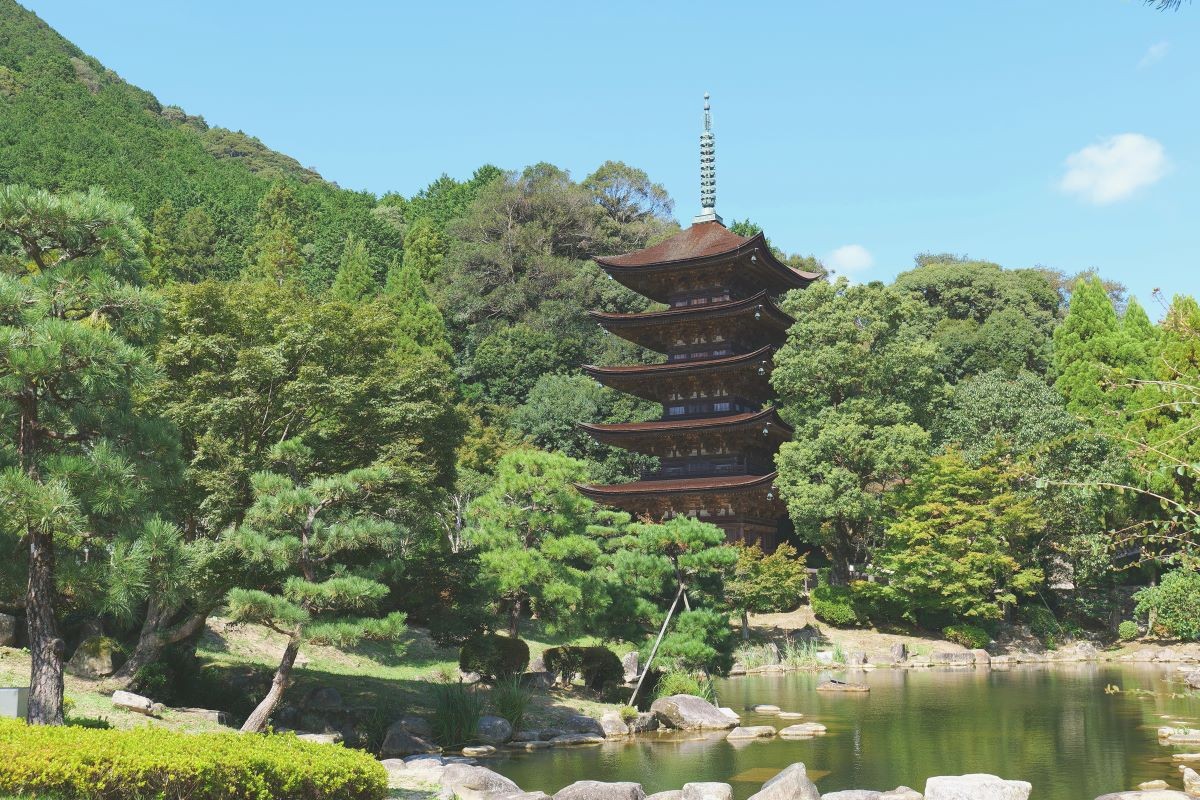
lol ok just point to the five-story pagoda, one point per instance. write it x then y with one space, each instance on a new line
718 435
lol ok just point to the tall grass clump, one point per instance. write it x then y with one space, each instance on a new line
456 712
511 700
672 683
755 655
800 654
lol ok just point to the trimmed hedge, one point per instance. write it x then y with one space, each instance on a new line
971 636
835 605
1128 631
494 656
69 763
598 666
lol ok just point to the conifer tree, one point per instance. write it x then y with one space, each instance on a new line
354 280
418 318
304 541
275 252
1085 349
425 249
68 375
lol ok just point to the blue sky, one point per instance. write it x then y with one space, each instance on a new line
1063 133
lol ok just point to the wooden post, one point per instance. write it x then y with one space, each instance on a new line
662 632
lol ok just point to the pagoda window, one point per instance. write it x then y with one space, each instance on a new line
723 406
676 411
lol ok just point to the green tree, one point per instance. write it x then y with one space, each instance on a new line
530 529
1085 351
765 583
274 253
420 320
354 280
959 542
508 363
70 321
303 542
180 248
425 248
857 379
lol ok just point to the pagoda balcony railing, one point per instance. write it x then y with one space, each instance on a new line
709 407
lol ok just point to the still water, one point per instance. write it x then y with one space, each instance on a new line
1053 726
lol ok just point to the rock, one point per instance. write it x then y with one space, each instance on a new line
320 738
900 652
417 726
537 664
493 729
400 741
469 677
766 708
1191 780
842 686
613 725
982 657
688 712
8 630
729 712
1152 794
856 658
630 664
644 721
804 729
901 793
707 791
825 656
568 739
323 698
852 794
479 751
1159 784
528 747
1179 735
546 734
1186 757
582 723
210 714
526 736
790 715
133 702
948 658
537 680
536 795
157 709
976 786
476 783
600 790
96 657
752 732
792 783
1192 679
670 794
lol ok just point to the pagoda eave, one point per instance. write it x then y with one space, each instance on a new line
751 429
656 499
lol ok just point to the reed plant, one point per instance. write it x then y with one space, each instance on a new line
456 712
511 700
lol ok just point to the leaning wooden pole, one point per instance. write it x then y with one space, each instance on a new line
654 650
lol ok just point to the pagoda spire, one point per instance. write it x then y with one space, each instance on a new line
708 171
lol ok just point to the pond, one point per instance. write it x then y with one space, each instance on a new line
1051 725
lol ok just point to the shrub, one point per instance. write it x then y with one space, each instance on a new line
70 762
598 666
1041 621
456 712
494 656
835 605
971 636
628 714
1128 630
672 683
510 699
1174 602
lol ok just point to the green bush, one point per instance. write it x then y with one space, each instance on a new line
494 656
510 699
69 762
456 712
1128 630
1041 621
835 605
628 714
598 666
971 636
673 683
1174 603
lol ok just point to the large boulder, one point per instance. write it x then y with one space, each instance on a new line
476 783
96 657
791 783
669 794
629 663
751 732
901 793
1151 794
581 723
600 790
493 729
953 658
688 713
707 791
8 630
644 721
1191 780
852 794
401 741
323 698
802 730
977 786
613 725
1192 679
133 702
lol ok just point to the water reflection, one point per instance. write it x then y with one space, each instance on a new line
1051 725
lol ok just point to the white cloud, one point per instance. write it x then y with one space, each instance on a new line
1155 53
849 259
1115 168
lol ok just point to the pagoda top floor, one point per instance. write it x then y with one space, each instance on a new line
702 260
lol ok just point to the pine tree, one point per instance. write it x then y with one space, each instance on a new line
1085 350
419 320
305 540
354 281
67 317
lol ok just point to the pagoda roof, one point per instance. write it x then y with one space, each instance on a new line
681 367
657 382
716 483
612 320
703 243
749 418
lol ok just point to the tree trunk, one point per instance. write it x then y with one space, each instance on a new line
46 647
154 637
745 625
514 619
257 720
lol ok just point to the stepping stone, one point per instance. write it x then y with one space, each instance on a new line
766 708
803 730
752 732
790 715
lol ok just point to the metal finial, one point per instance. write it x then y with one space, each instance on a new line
708 170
